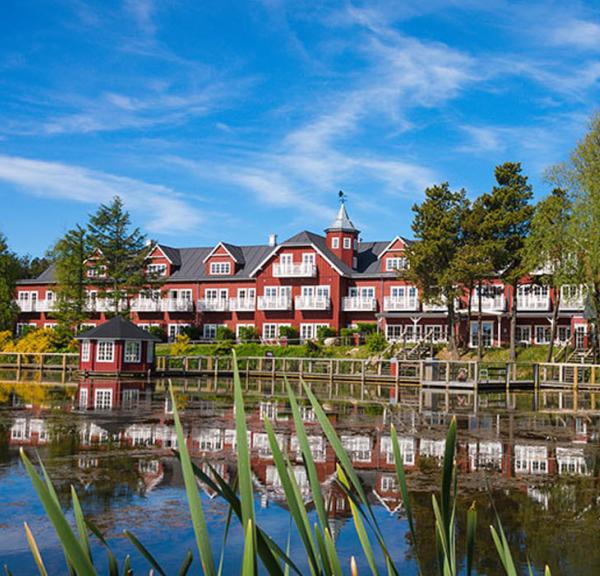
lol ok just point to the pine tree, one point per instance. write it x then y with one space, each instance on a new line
507 223
9 273
120 254
438 230
549 249
70 256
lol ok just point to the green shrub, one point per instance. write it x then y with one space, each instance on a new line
325 332
376 342
249 334
312 349
366 327
289 332
224 333
158 332
193 332
347 336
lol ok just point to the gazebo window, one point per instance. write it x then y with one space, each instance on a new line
85 351
105 351
133 351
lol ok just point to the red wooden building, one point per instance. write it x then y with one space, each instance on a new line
311 280
116 347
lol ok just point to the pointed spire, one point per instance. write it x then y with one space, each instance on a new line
342 221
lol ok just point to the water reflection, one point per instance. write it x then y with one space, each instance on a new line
113 438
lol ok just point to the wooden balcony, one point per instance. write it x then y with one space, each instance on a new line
294 270
312 302
359 304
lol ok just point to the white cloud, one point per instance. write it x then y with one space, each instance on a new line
142 12
575 32
162 208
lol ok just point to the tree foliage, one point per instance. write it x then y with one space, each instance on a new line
9 274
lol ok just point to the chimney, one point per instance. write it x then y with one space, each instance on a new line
272 240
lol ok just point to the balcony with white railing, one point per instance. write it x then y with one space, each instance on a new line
400 303
146 305
359 304
274 303
439 305
103 305
213 304
312 302
242 304
495 303
533 302
36 305
572 297
304 270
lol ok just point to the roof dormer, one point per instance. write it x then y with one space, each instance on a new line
393 257
223 260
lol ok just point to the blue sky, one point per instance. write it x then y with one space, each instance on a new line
229 120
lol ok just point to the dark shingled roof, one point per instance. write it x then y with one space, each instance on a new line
118 328
190 267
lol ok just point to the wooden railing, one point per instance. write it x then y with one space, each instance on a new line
39 360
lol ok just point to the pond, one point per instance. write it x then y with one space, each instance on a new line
534 456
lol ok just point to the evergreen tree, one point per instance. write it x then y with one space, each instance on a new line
438 230
9 274
70 256
506 225
474 263
549 249
120 254
580 175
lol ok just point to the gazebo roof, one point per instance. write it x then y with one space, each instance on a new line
118 328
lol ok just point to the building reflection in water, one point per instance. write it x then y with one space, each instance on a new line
522 438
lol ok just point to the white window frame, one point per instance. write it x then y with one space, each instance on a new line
105 351
220 268
394 263
85 350
347 243
286 259
565 337
308 258
83 398
132 356
239 326
209 331
485 323
547 334
335 242
158 269
523 329
103 398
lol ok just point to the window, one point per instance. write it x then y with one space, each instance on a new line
487 334
105 351
362 292
133 351
103 399
308 258
175 330
210 331
524 334
564 334
542 334
85 351
240 326
396 263
286 259
157 269
347 243
220 268
271 331
216 294
83 398
335 243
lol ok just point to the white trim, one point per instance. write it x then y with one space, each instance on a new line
280 246
112 351
130 358
162 252
389 246
216 266
222 244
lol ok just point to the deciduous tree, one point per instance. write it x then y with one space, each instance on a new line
9 274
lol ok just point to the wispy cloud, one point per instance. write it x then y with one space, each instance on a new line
163 210
575 32
142 12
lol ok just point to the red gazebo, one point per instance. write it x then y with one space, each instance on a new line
116 347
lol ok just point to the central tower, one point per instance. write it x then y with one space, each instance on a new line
342 236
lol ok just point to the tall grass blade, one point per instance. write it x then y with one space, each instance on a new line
7 571
81 525
359 525
249 561
471 533
144 552
194 502
243 454
336 567
73 549
113 565
346 465
309 463
399 462
503 551
187 562
293 499
35 551
127 570
225 536
447 475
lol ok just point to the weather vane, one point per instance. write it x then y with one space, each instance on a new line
342 196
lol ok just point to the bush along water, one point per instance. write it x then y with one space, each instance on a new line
261 552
